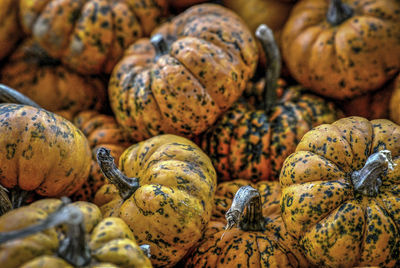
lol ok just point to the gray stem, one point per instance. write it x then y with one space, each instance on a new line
126 186
273 70
252 220
367 180
9 95
338 12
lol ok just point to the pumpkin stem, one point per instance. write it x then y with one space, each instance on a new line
367 180
160 45
273 70
253 219
126 186
65 214
18 197
5 202
146 249
9 95
338 12
35 54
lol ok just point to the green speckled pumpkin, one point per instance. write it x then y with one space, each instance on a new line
252 142
258 240
10 32
50 84
41 152
89 35
190 72
101 130
342 48
85 239
340 193
164 191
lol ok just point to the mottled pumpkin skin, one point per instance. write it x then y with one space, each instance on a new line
184 91
346 60
89 35
100 130
246 143
171 208
50 84
395 101
41 151
273 247
110 240
10 31
335 226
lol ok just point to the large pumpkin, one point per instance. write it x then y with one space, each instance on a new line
89 35
188 74
164 191
50 84
252 143
101 130
40 152
253 238
343 48
340 193
29 239
10 31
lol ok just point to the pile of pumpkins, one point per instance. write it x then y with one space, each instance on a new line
190 133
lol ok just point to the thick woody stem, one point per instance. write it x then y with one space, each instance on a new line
160 44
338 12
9 95
126 186
368 179
273 71
252 220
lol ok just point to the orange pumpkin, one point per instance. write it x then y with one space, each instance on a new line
50 84
191 71
89 35
40 152
343 48
256 237
10 31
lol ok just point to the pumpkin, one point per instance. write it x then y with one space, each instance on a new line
163 190
30 237
342 48
340 193
50 84
394 105
190 72
182 4
40 151
10 31
252 142
252 238
89 35
101 130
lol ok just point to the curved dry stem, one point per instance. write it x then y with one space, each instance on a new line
18 197
367 180
9 95
160 45
146 250
338 12
5 202
126 186
273 71
252 220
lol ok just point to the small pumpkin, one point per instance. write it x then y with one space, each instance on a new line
166 184
89 35
29 238
50 84
190 72
252 234
10 31
251 142
39 151
342 48
101 130
340 193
